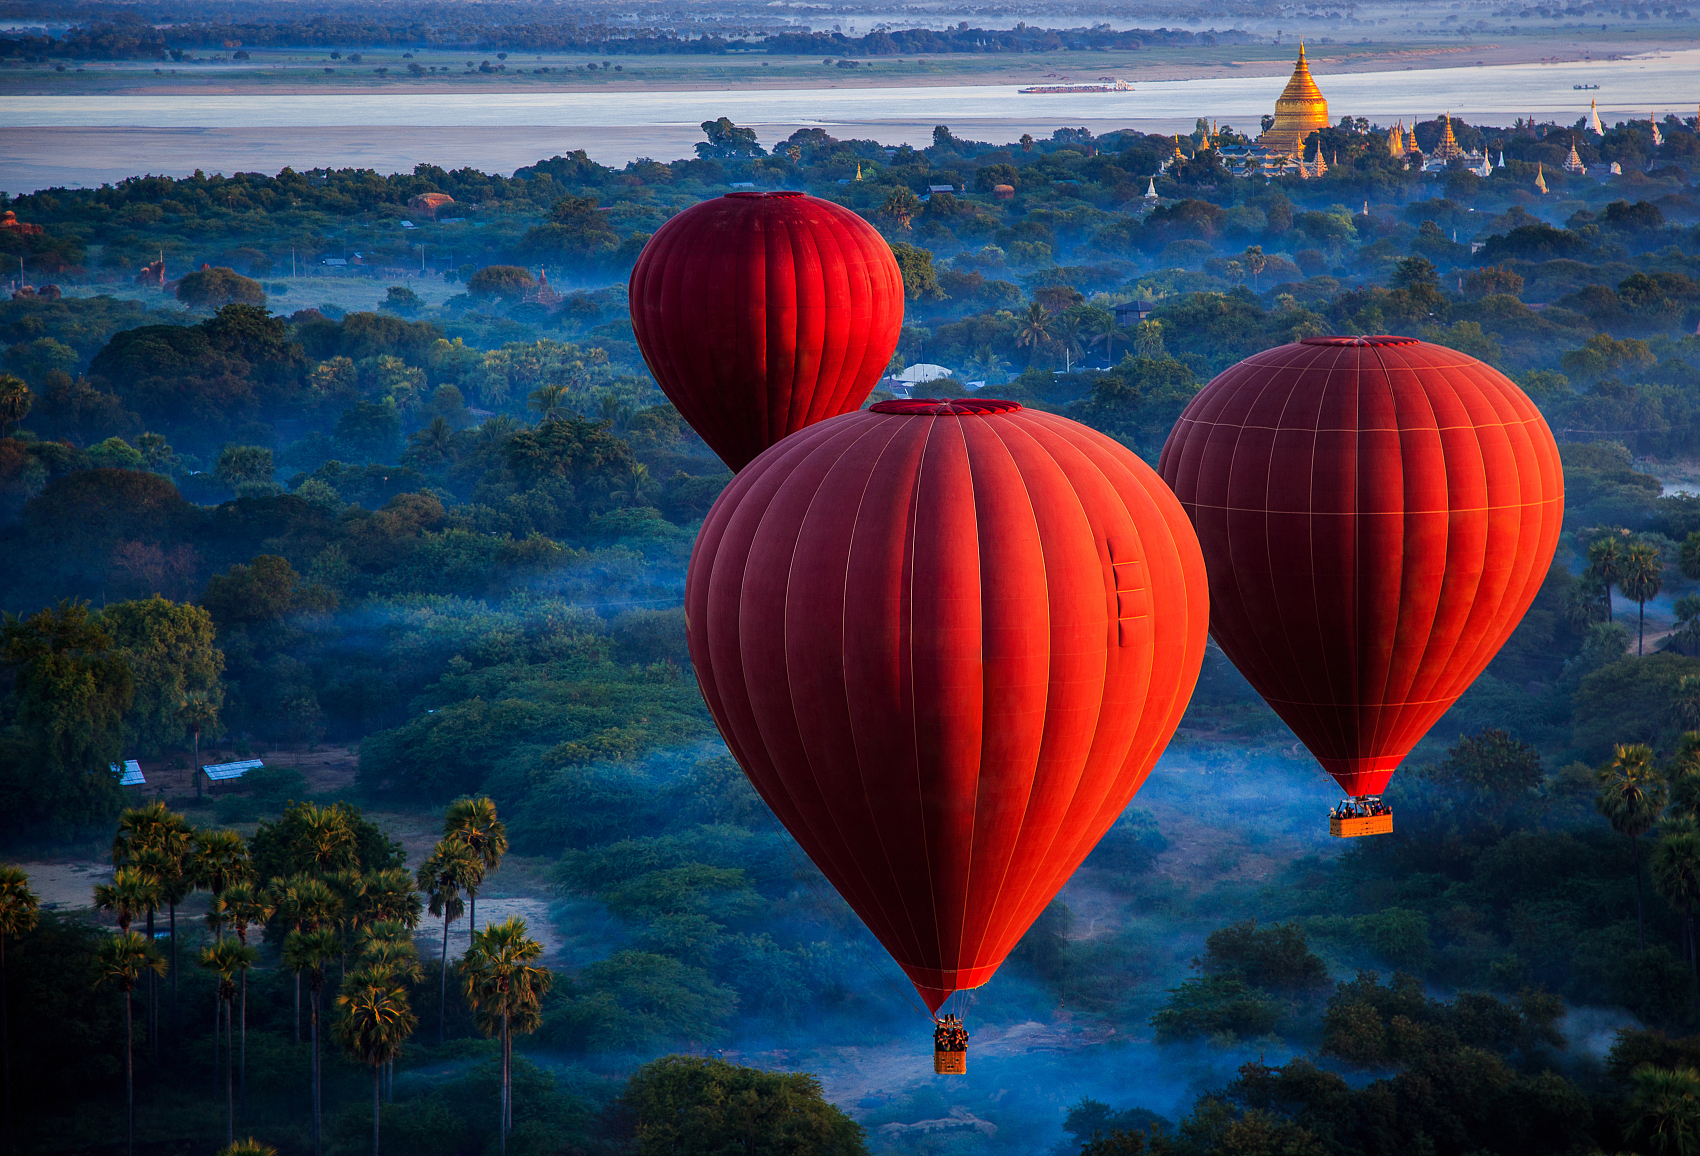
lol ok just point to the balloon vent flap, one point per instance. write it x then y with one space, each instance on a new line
942 405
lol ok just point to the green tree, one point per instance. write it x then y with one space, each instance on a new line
306 905
225 960
245 469
452 868
1632 794
198 713
158 840
248 1147
310 952
172 651
1665 1110
218 859
15 402
375 1021
473 823
1255 262
1642 578
507 282
213 288
1675 867
399 299
131 894
1605 566
727 141
902 206
1148 341
696 1104
552 402
123 959
505 986
920 279
71 689
246 905
1033 330
635 488
18 914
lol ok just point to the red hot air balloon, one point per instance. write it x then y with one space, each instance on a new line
1376 513
762 313
946 641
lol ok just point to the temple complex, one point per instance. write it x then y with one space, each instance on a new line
1300 110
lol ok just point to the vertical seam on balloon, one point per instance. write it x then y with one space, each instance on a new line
791 698
914 715
996 431
1027 889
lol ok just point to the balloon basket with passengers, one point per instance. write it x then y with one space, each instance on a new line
947 640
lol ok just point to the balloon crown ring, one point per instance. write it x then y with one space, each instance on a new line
940 405
760 196
1375 339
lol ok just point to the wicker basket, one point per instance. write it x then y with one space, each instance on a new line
950 1063
1363 825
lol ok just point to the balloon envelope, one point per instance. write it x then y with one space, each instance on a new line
762 313
1377 514
946 641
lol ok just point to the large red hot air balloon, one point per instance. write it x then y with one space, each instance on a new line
1376 514
947 641
762 313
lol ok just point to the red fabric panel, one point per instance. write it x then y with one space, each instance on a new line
763 313
1376 515
947 645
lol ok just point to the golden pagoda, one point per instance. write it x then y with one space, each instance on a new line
1299 111
1541 177
1396 140
1447 149
1573 163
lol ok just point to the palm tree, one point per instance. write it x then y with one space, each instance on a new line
635 487
450 869
158 839
15 401
436 441
131 893
225 960
218 859
615 412
1067 330
305 904
1675 866
1632 793
326 840
1255 262
1665 1111
199 712
310 951
389 956
18 913
504 983
248 1147
122 960
1148 340
1101 323
1643 575
375 1020
391 897
550 402
1605 567
350 889
474 823
246 906
1033 329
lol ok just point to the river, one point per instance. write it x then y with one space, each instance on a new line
70 140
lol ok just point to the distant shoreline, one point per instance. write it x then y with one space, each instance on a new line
792 74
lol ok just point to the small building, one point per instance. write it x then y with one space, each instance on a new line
1131 313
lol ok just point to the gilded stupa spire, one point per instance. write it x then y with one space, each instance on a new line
1540 177
1300 110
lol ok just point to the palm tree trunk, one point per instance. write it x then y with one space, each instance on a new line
1641 627
153 998
443 994
503 1113
1640 922
130 1072
314 1012
376 1069
471 915
244 1072
197 771
229 1082
6 1034
173 906
298 1007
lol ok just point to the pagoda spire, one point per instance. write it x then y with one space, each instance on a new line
1594 117
1540 177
